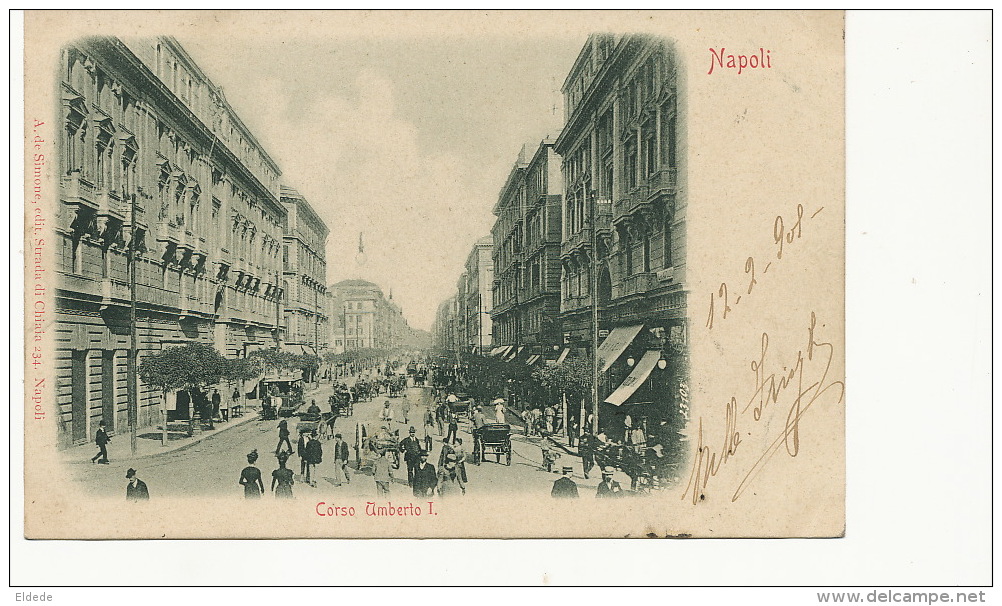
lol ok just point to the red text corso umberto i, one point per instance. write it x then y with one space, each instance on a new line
388 509
720 58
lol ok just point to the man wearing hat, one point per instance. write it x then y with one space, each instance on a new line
136 489
425 478
449 480
411 447
314 456
564 487
340 460
609 488
101 439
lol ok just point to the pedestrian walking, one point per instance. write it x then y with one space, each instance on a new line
429 426
224 409
449 481
382 473
609 488
301 452
314 456
411 448
340 461
136 489
445 452
565 487
216 403
282 478
549 418
237 411
550 456
440 417
479 420
283 438
461 457
425 479
453 426
101 439
386 415
586 448
250 478
405 408
499 410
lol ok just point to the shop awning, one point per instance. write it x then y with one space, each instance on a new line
615 344
563 355
503 350
511 356
308 349
532 360
497 350
640 373
293 348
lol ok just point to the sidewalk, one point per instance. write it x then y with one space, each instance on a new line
149 444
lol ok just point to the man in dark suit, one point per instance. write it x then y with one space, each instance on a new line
136 490
101 439
411 447
564 487
586 448
609 488
314 456
425 478
301 451
341 460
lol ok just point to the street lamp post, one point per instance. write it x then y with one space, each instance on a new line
594 310
133 389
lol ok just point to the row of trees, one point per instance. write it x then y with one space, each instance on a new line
196 366
487 377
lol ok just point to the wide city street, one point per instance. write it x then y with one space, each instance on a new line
212 466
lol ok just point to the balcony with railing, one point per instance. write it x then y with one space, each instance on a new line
576 241
77 189
663 182
634 285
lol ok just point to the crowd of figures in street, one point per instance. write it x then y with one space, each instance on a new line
393 422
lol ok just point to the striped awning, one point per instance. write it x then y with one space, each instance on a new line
563 355
615 344
532 360
640 373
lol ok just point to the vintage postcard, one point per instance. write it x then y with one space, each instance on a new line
434 274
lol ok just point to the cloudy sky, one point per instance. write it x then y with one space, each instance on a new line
407 141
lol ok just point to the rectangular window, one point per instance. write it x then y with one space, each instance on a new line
667 244
630 164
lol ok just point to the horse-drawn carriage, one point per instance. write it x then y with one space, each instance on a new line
495 438
283 394
377 444
340 401
461 406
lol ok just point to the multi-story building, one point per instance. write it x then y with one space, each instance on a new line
478 298
462 329
444 330
526 253
624 210
361 317
152 156
304 262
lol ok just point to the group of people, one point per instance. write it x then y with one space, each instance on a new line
565 488
422 477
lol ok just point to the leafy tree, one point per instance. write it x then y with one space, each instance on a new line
189 368
243 369
572 377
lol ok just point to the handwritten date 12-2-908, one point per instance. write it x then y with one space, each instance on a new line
721 303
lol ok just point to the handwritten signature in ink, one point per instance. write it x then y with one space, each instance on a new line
811 365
